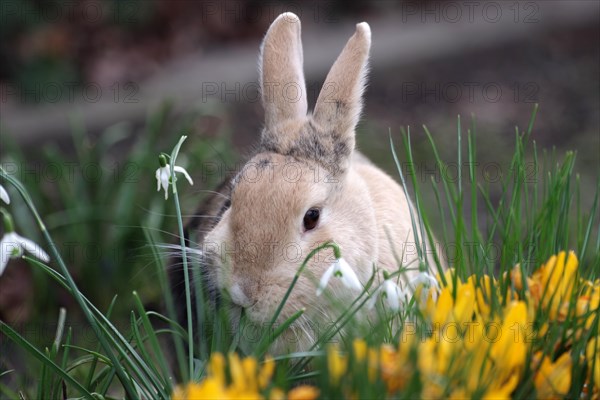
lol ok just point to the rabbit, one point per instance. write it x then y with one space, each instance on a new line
306 185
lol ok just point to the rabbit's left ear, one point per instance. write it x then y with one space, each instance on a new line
281 77
339 104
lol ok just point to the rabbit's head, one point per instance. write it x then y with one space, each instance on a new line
300 190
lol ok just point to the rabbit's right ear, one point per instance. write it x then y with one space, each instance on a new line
339 104
281 77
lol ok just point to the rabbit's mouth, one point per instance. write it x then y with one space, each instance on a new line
299 336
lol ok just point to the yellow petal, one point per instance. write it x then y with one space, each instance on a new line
209 388
553 379
216 367
426 357
483 294
443 310
249 366
359 347
547 270
592 353
510 350
503 392
558 280
569 278
238 380
390 366
594 305
458 394
516 277
277 394
336 364
266 372
304 392
373 364
450 276
465 304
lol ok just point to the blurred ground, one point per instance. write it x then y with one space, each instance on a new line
114 61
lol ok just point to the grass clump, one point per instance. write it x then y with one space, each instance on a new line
521 321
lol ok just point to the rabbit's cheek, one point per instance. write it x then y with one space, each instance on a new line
239 296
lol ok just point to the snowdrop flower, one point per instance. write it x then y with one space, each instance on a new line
428 283
4 195
341 269
13 245
163 175
394 295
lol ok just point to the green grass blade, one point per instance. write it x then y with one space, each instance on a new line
168 296
156 348
23 343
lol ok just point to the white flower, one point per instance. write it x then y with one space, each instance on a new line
340 268
12 245
4 195
163 175
393 294
428 283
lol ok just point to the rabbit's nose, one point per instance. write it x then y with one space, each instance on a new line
238 296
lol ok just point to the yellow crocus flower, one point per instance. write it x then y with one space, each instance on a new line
266 372
395 364
304 392
510 350
216 368
483 294
426 358
209 388
359 347
277 394
558 280
553 379
588 302
238 379
449 275
336 364
363 353
592 353
246 379
443 309
502 392
249 368
516 277
465 304
373 364
390 367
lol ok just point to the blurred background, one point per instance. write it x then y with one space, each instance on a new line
91 91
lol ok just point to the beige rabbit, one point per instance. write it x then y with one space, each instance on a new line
306 185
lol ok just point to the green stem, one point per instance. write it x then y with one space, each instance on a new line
186 274
9 225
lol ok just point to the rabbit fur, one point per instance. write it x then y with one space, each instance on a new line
257 241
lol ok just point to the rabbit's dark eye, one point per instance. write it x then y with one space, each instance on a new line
311 218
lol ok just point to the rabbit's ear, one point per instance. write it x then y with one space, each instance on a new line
339 104
281 76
